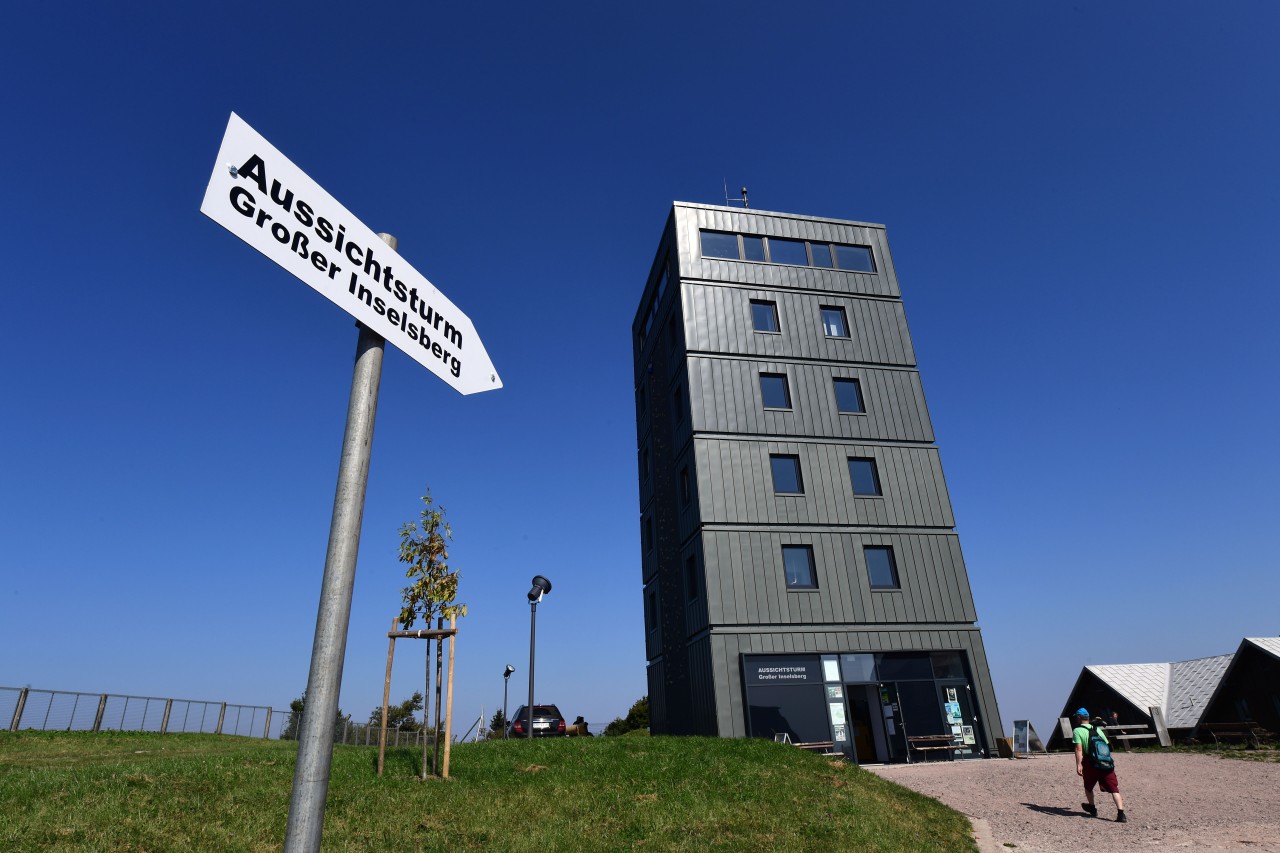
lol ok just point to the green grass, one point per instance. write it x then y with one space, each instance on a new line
149 792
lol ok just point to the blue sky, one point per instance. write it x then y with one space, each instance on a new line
1082 205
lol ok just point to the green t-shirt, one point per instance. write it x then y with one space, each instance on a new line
1080 736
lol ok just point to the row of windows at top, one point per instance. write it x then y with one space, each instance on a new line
799 572
782 250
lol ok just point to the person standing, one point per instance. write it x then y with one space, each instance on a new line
1104 779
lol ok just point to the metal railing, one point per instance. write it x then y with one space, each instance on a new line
67 710
27 708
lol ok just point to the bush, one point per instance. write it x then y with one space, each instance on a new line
637 719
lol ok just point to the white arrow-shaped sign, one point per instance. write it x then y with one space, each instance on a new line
259 195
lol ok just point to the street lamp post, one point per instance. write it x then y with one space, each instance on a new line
541 586
506 679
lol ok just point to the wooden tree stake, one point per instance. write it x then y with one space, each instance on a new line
386 698
448 707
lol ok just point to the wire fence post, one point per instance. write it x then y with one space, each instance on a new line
74 706
102 709
17 712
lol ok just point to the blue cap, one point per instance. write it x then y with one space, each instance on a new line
1081 712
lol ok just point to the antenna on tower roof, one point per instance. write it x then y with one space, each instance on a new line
728 201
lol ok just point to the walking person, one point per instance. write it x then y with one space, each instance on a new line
1094 763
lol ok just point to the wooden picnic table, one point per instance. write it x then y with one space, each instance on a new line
1245 730
1124 734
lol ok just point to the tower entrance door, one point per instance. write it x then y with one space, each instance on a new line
873 722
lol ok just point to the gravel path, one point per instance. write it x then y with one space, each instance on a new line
1182 800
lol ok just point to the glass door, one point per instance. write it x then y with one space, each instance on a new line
861 721
958 709
891 718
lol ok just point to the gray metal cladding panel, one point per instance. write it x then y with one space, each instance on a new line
735 485
726 395
658 711
718 320
687 518
690 220
727 681
746 585
703 690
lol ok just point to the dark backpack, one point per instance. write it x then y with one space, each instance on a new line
1100 751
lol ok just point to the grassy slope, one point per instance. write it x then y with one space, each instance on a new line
146 792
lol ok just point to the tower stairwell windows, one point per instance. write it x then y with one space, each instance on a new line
882 569
774 391
786 474
865 477
797 564
848 396
834 324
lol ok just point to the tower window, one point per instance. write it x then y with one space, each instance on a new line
855 258
866 480
717 244
820 255
786 475
849 396
774 391
797 563
787 252
834 324
881 568
764 316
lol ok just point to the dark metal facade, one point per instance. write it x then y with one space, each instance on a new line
712 526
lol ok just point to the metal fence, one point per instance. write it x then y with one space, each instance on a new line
66 710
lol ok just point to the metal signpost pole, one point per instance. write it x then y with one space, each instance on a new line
533 622
315 740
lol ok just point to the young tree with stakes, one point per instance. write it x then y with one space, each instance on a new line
432 593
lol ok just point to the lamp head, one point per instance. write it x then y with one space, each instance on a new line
541 586
506 673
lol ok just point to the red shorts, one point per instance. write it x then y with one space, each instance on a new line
1104 779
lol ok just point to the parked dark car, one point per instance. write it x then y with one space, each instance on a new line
547 722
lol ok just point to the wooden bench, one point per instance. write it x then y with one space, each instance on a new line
933 743
825 747
1247 731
